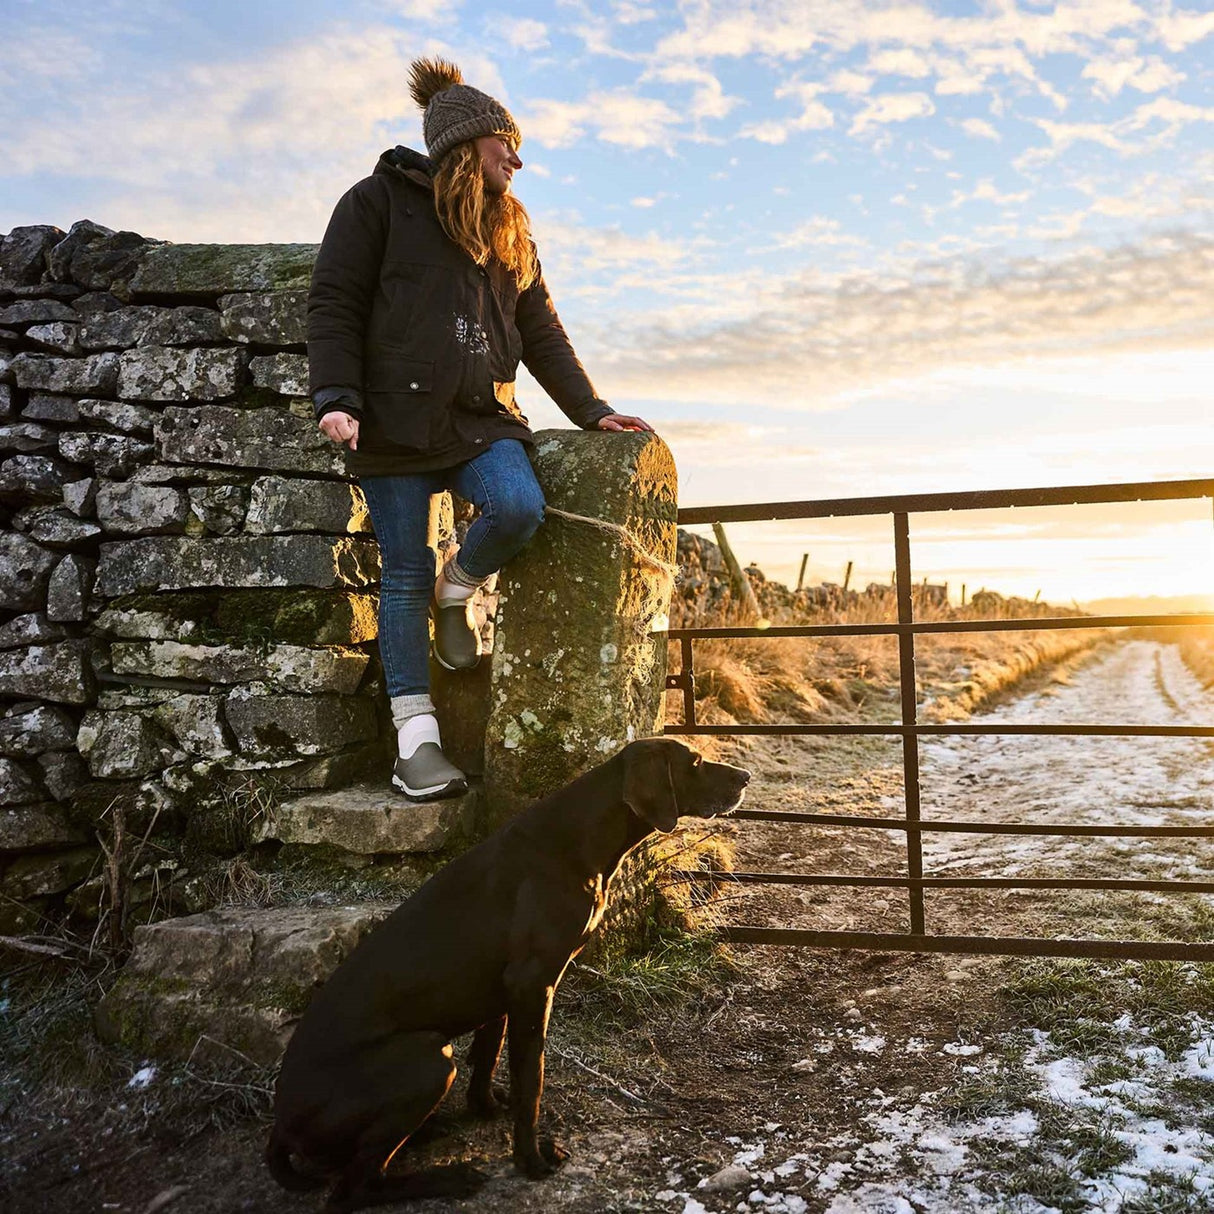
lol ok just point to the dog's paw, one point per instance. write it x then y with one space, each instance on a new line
491 1102
543 1161
553 1153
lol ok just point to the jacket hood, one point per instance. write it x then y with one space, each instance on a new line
414 165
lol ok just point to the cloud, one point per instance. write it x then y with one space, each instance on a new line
708 100
803 342
521 33
980 129
892 107
1146 75
619 116
819 231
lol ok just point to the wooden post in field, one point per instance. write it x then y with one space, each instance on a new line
801 575
962 594
741 583
847 576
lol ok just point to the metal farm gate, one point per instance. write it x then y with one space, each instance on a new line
916 884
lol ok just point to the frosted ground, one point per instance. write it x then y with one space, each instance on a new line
1133 1103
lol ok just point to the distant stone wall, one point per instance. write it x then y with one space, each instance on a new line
186 572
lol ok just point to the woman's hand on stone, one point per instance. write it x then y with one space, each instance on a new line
621 421
340 427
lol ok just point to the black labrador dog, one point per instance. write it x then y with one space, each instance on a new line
479 948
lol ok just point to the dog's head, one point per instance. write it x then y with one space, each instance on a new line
663 780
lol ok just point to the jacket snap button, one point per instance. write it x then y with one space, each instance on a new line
414 385
476 400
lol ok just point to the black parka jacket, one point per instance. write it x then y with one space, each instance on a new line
407 333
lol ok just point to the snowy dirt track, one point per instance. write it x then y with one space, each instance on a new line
1087 781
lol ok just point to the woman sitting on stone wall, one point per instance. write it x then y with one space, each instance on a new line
426 295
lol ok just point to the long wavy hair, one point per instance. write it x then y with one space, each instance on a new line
483 224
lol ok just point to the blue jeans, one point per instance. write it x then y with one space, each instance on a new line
501 484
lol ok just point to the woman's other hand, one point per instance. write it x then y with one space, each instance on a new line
621 421
340 427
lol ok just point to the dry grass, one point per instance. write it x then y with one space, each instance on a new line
1197 649
855 678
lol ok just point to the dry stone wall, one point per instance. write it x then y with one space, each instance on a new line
186 572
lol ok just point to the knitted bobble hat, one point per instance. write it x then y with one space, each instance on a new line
454 111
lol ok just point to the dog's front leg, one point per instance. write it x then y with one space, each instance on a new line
485 1098
528 1028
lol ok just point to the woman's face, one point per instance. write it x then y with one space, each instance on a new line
499 161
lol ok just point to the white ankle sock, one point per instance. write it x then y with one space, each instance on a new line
452 592
414 732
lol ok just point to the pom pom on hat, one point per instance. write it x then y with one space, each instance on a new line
455 112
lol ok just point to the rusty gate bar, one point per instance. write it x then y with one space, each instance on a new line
1028 624
910 740
909 729
895 730
933 503
1003 946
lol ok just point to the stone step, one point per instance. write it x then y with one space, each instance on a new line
373 820
232 979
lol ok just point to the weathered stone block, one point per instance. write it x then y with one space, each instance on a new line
238 976
47 407
185 474
126 508
208 271
28 437
33 827
29 630
35 731
35 478
61 672
179 563
60 336
96 257
280 504
120 415
150 326
115 455
275 319
63 773
6 402
287 667
300 617
23 253
70 589
175 617
35 312
123 745
369 820
220 509
80 497
167 373
578 668
197 724
35 876
96 375
17 786
55 526
246 438
298 725
25 570
286 374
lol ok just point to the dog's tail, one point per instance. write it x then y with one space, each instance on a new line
278 1160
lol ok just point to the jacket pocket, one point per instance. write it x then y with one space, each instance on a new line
386 371
399 393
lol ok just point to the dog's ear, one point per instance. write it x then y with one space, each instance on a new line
649 785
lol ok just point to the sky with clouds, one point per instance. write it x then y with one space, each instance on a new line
829 247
